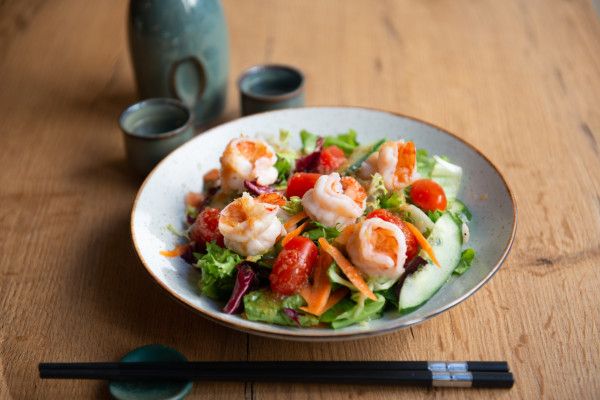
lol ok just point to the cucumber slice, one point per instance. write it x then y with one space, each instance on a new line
418 218
459 208
448 176
420 286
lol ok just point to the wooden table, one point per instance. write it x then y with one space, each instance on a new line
518 79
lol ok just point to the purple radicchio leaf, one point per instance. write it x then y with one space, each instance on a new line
188 256
255 189
310 162
414 264
293 315
190 220
245 280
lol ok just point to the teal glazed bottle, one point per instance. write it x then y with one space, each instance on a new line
180 48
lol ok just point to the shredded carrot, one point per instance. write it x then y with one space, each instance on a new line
317 294
294 219
423 242
212 176
345 235
272 198
176 252
293 234
348 269
335 298
194 199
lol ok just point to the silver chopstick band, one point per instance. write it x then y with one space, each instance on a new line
452 379
441 366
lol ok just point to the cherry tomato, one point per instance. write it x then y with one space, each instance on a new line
412 245
300 183
332 158
206 228
428 195
293 266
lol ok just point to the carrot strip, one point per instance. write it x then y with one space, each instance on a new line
345 235
294 219
176 252
212 176
272 198
423 242
194 199
348 269
335 298
317 295
293 234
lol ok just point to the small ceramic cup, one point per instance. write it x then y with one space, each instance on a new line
270 87
152 129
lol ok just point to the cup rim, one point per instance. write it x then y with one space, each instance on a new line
156 101
271 98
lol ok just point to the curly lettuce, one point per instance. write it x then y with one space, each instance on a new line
218 271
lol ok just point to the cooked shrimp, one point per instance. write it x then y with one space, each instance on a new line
397 164
247 159
378 248
335 201
250 226
369 166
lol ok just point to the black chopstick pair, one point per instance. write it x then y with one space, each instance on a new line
482 374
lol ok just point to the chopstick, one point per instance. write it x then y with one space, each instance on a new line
482 374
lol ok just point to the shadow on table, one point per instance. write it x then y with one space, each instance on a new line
134 310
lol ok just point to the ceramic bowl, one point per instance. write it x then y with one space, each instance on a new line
160 202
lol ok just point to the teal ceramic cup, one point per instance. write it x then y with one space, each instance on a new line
270 87
152 129
180 49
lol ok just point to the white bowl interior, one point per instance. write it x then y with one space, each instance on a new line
160 202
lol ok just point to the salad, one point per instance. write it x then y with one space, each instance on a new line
329 235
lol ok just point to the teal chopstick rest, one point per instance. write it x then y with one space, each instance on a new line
125 390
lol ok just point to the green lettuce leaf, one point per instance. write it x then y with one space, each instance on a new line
293 206
375 192
391 201
335 276
345 141
466 258
309 141
425 163
391 297
341 307
319 230
434 215
350 312
284 165
265 306
218 271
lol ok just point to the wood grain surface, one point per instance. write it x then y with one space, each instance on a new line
518 79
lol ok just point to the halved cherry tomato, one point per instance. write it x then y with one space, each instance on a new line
206 228
428 195
300 183
412 245
293 266
332 158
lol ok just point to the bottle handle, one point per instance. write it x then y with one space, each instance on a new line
175 86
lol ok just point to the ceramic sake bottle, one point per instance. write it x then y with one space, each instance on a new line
179 48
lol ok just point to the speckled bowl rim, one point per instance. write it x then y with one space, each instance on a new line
336 335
